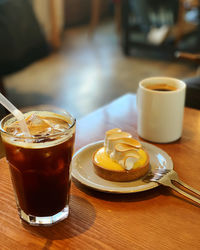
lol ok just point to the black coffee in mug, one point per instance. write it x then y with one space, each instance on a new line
161 87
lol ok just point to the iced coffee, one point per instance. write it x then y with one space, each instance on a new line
40 164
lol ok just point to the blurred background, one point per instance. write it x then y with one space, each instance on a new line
82 54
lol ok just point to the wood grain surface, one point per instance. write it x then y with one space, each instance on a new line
154 219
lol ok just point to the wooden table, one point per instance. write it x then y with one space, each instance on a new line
154 219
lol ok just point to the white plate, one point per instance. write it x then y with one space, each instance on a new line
82 170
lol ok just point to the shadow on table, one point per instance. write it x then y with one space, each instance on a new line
135 197
79 221
132 197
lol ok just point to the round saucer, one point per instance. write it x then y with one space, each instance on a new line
82 170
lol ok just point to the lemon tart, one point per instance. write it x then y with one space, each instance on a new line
122 158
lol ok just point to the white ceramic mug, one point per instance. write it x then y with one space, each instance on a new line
160 113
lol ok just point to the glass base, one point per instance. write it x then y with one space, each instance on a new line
44 221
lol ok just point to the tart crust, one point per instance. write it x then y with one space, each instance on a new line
120 175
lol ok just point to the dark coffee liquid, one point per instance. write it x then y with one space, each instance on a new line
41 175
161 87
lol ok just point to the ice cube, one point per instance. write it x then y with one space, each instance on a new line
38 126
58 168
14 129
18 156
57 124
47 154
34 120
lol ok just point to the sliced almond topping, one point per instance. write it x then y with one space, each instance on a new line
132 142
121 147
120 135
132 154
113 131
129 161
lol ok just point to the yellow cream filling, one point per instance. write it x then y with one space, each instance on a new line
106 162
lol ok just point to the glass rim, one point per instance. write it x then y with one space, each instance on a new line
31 108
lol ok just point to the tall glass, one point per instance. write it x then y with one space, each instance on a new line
40 165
